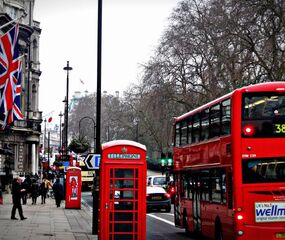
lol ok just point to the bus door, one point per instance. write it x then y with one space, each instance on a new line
196 203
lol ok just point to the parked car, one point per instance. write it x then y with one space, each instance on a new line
157 198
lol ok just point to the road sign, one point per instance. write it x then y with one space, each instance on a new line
92 161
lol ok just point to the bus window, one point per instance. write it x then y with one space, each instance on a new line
183 133
264 113
215 121
226 117
187 186
183 186
190 186
204 125
260 106
263 170
216 186
177 134
196 129
190 131
224 189
204 185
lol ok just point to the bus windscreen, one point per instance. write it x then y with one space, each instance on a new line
263 115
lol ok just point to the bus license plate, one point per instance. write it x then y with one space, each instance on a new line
280 235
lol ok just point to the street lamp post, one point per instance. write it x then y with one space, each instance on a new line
67 68
48 150
44 143
60 141
95 214
97 149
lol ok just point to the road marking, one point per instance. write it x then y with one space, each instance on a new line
161 219
170 214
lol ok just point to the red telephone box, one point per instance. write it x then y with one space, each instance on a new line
122 191
73 188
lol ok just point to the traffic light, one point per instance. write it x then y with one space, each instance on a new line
163 162
169 162
169 159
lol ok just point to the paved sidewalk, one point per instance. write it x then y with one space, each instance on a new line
45 221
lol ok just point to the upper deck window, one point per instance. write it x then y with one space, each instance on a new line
177 134
215 121
204 125
263 114
226 117
183 133
196 129
263 106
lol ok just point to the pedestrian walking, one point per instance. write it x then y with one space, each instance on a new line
35 191
58 192
16 196
43 190
26 184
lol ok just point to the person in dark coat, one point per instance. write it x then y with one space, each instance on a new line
43 190
35 189
26 185
16 196
58 192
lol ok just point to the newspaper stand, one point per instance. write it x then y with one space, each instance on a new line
122 191
73 188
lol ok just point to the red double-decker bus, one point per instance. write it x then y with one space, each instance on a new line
229 165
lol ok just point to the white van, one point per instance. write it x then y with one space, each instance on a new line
157 181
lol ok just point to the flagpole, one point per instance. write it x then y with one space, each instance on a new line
12 21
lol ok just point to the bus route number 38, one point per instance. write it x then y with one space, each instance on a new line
280 128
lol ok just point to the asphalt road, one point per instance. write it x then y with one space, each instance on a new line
159 224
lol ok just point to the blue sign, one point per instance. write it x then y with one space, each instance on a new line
65 165
97 158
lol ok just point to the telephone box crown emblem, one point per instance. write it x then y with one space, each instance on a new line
124 150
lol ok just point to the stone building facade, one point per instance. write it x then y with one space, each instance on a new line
20 143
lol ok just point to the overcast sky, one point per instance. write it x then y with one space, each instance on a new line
131 31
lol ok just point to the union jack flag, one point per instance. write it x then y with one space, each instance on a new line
10 77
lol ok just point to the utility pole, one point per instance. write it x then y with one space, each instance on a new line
67 68
98 121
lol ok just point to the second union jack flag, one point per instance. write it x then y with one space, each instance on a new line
10 77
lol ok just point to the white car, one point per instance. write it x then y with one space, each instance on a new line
157 198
